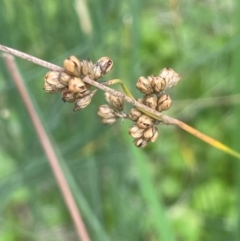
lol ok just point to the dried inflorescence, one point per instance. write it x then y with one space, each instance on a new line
145 128
110 113
70 83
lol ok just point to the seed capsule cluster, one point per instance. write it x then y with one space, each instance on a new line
70 82
111 112
144 130
73 89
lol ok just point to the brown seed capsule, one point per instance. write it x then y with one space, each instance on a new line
135 132
155 136
51 77
48 88
140 142
109 121
144 85
170 76
102 67
115 101
52 82
106 112
83 94
151 133
144 121
87 66
158 83
76 85
73 66
81 103
164 103
134 114
150 101
64 78
68 96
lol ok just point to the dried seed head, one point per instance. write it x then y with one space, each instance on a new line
72 66
87 66
52 83
164 103
83 94
76 85
170 76
102 67
51 77
151 133
115 101
68 96
64 78
134 114
144 85
48 88
144 121
150 101
106 112
158 83
135 131
109 121
155 136
140 142
81 103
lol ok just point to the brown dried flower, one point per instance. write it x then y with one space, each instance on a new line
116 102
158 83
144 121
109 121
64 78
102 67
48 88
68 96
82 103
86 68
106 111
140 142
72 66
135 131
171 77
150 101
144 85
151 133
52 83
164 103
76 85
134 114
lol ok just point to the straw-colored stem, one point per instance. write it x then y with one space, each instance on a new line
48 149
206 138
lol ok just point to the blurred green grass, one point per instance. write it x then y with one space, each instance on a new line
175 189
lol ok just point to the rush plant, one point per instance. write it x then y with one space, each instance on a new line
77 79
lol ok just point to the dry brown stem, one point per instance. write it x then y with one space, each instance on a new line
48 148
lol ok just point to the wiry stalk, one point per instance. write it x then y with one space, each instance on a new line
49 150
153 113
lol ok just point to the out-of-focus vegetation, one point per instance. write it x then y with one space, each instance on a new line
178 188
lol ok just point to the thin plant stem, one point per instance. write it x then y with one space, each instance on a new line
48 149
147 110
206 138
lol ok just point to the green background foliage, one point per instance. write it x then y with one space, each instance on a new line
177 188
